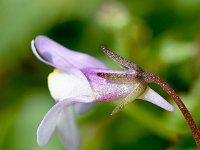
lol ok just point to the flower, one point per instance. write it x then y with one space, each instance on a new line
78 81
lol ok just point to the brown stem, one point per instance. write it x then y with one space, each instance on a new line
150 78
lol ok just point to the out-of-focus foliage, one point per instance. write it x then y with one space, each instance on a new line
163 37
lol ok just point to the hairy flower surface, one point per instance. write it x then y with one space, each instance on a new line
78 81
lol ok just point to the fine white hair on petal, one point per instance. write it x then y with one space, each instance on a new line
63 85
50 120
81 108
68 129
153 97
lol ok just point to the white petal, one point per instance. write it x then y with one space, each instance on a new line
81 108
63 85
49 122
68 129
153 97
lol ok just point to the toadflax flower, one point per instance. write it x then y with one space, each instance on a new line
78 81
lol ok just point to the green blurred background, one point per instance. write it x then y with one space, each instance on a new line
163 37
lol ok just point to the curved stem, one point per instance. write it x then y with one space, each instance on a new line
150 78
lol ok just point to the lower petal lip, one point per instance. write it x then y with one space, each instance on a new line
68 129
49 122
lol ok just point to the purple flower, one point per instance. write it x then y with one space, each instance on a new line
78 81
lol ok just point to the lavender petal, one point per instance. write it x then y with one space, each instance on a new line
68 129
81 108
49 122
61 57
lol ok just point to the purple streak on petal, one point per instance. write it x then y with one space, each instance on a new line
68 129
49 122
58 56
81 108
105 90
153 97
